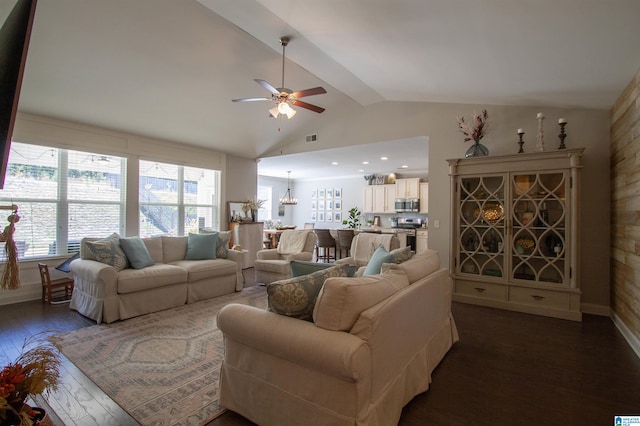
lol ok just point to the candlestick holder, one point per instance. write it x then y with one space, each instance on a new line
520 142
562 136
540 140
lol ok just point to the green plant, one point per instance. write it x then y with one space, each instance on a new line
354 218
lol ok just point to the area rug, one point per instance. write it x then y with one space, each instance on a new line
162 368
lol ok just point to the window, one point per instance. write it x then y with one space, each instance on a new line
62 196
176 200
264 193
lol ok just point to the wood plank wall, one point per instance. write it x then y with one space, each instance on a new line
625 207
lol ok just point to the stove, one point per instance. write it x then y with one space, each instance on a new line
407 223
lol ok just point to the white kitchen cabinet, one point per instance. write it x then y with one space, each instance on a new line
424 197
379 199
408 188
515 227
422 237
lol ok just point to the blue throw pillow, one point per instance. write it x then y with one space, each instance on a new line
201 246
380 256
136 252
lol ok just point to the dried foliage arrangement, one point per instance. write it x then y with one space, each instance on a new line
34 372
476 129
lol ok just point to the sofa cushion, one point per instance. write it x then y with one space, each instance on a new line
136 252
341 300
380 256
401 254
158 275
154 247
202 269
173 248
296 297
420 265
108 251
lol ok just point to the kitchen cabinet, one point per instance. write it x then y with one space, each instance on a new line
379 199
514 239
424 197
422 236
408 188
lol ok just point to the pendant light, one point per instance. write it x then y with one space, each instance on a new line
288 200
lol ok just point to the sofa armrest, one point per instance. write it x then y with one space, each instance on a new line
303 256
268 254
95 278
300 342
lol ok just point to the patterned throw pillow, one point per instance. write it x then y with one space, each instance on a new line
108 251
296 297
401 254
222 245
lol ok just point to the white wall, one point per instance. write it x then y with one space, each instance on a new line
398 120
241 178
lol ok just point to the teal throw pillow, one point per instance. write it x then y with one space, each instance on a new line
109 252
136 252
380 256
201 246
296 297
300 267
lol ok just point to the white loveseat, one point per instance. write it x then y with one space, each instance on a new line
103 293
364 245
372 347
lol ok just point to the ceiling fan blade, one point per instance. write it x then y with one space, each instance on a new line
309 92
250 99
267 86
313 108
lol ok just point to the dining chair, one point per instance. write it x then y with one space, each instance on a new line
326 242
345 237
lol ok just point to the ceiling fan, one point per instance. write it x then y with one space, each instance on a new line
284 97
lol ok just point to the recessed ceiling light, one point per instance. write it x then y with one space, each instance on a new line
365 162
335 163
404 166
384 158
361 170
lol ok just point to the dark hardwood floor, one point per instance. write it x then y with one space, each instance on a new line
507 368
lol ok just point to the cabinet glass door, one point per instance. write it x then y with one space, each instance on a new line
481 232
539 216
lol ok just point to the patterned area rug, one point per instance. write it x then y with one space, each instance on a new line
162 368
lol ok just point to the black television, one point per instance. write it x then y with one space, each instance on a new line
14 44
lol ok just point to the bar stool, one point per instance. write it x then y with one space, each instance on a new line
57 287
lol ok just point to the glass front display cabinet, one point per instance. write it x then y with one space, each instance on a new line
515 226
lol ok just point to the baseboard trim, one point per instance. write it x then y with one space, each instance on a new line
626 333
592 309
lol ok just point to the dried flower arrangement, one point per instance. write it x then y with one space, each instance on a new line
35 371
252 204
476 129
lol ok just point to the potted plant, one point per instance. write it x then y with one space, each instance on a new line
353 221
34 372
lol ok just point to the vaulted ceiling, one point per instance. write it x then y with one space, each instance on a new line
169 68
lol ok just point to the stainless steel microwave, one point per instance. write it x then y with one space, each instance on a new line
404 205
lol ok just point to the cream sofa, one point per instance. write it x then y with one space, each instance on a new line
103 293
372 348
